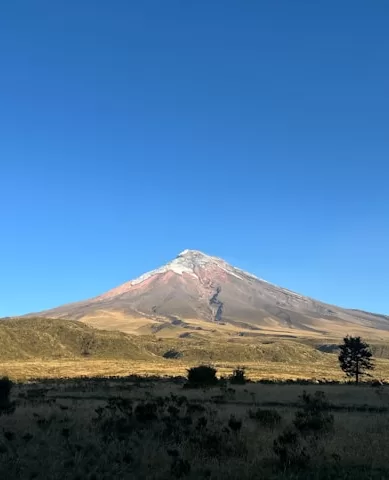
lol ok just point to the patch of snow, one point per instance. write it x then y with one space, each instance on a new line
230 271
252 276
176 266
188 260
195 257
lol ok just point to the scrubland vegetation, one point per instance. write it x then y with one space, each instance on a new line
201 426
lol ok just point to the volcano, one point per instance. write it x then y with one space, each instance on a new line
202 292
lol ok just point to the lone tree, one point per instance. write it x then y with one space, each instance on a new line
355 357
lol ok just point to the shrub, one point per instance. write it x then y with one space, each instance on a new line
377 383
266 418
223 383
234 424
173 411
6 406
5 389
122 405
180 400
195 408
201 423
314 416
88 345
202 376
296 447
172 354
179 468
290 451
146 412
238 376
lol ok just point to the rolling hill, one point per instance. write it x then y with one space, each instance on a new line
44 338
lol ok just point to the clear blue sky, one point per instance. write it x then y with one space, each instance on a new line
255 131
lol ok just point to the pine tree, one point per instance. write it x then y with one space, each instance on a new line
355 357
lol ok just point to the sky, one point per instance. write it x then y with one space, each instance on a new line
254 131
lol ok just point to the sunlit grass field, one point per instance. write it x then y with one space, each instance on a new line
68 368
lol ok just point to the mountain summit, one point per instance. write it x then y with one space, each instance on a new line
195 288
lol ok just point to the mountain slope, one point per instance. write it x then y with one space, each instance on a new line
199 290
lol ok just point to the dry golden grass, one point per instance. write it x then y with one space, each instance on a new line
143 325
114 320
68 368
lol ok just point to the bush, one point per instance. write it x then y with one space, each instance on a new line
314 416
172 354
202 376
238 376
146 412
88 345
179 468
296 447
6 406
266 418
377 383
290 451
5 390
234 424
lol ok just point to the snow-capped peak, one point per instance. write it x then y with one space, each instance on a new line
188 262
185 262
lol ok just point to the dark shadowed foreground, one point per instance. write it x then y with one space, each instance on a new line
158 429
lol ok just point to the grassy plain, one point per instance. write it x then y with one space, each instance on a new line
105 429
72 368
